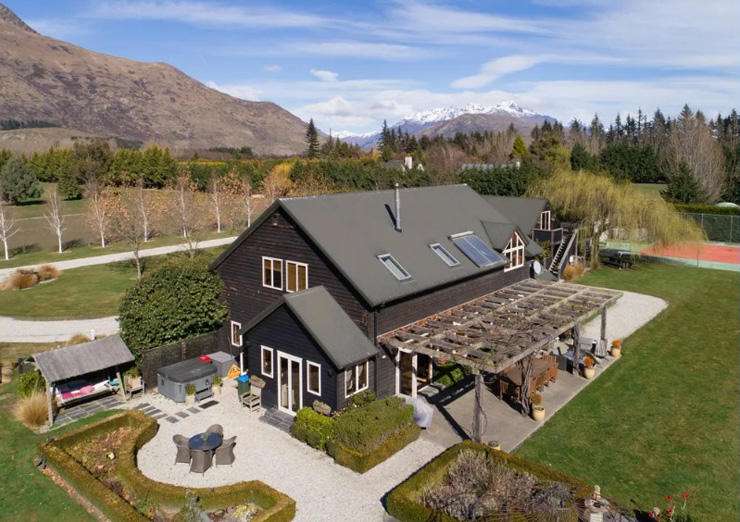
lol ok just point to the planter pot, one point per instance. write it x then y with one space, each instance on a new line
133 382
190 400
538 413
589 373
616 352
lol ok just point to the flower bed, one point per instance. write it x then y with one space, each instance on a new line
118 488
359 437
430 494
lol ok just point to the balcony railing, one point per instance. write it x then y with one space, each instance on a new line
554 236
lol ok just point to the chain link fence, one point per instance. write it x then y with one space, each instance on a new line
724 228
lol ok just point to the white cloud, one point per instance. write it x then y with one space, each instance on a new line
324 75
359 49
205 13
245 92
494 69
273 68
58 28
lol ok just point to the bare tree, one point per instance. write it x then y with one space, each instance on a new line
186 210
54 217
143 209
216 195
125 222
8 226
98 208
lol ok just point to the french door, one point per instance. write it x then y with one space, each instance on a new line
290 383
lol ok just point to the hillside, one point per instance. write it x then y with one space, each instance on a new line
51 80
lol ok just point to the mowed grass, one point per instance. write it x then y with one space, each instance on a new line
26 494
665 418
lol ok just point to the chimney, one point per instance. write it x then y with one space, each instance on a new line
398 209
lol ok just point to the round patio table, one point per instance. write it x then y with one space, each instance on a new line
205 441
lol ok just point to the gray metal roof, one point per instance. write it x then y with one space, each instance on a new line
499 233
81 359
353 229
327 323
523 212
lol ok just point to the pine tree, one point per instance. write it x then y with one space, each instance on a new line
18 182
312 140
683 187
519 149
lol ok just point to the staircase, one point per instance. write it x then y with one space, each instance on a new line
278 419
561 255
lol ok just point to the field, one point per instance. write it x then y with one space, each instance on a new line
665 418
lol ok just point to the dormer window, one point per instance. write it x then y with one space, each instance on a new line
514 253
394 267
545 220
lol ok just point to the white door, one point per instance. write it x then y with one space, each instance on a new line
290 383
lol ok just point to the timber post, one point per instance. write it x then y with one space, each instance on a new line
601 350
478 410
576 348
49 405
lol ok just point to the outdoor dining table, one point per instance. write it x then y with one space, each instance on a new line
205 441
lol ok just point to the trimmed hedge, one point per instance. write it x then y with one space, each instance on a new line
362 461
312 428
276 506
404 503
365 428
698 208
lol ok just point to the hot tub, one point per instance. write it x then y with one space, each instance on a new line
173 379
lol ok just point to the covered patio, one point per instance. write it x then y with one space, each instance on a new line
509 329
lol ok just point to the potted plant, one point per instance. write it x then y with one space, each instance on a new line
190 394
132 378
588 367
616 350
217 384
538 410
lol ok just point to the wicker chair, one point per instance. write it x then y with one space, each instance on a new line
225 452
216 428
201 461
183 449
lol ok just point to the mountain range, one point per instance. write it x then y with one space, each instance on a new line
91 93
448 121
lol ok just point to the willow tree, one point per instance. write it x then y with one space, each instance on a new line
601 205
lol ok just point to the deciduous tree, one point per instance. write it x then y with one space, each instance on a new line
54 217
8 226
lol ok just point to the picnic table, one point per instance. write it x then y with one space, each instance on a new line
205 441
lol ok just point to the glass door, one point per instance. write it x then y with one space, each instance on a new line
405 373
290 383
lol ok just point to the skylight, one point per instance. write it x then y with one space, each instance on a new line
476 250
394 267
444 254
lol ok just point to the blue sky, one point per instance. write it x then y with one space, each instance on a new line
349 65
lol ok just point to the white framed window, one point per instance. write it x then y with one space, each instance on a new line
514 253
313 378
394 267
272 273
545 220
236 336
266 361
356 378
444 254
296 276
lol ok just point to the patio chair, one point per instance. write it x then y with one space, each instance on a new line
216 428
225 452
183 449
201 461
252 399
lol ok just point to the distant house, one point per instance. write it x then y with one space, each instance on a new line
403 166
315 282
490 166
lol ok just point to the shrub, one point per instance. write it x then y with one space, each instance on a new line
21 279
30 383
179 300
32 410
77 339
363 398
588 362
47 272
18 182
312 428
698 208
362 461
573 271
536 399
365 428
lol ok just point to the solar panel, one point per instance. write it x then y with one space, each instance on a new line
477 251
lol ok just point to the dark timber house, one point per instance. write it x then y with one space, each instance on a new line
315 282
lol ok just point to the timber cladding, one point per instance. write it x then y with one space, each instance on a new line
278 237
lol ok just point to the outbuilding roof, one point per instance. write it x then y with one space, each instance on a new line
81 359
327 323
523 212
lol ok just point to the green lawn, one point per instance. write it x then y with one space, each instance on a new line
652 189
26 494
665 418
81 293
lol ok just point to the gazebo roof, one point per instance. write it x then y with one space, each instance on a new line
493 332
81 359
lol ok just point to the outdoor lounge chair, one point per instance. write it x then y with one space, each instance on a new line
252 400
225 452
183 449
216 428
201 461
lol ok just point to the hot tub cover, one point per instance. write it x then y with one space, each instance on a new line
187 371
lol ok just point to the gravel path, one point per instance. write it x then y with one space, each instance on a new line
124 256
20 331
322 490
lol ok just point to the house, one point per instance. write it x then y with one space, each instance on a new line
316 281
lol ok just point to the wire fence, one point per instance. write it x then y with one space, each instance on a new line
724 228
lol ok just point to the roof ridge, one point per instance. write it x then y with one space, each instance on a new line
370 192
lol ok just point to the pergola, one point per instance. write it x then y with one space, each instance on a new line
496 331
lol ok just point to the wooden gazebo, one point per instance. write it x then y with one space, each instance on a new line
505 327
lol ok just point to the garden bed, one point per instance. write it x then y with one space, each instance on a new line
470 481
99 460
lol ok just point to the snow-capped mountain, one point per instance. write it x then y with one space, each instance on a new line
447 121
